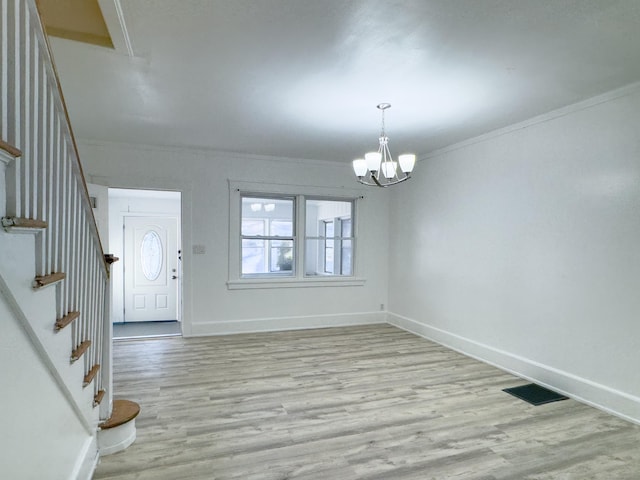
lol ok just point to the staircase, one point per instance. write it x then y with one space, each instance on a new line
54 278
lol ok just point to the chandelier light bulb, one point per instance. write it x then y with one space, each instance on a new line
373 161
360 167
407 161
389 169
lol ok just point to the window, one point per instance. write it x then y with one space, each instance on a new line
328 237
289 239
267 236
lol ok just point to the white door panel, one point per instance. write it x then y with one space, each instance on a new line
150 269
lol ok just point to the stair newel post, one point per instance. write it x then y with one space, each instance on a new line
96 314
107 342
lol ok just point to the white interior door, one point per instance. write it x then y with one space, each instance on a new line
150 269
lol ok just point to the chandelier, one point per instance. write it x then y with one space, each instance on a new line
378 169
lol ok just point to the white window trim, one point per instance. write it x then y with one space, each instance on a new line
299 280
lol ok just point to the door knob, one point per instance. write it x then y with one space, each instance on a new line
173 277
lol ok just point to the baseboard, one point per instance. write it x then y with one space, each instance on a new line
600 396
286 323
87 461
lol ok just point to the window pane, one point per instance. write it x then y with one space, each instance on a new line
317 211
281 228
328 247
253 227
328 229
328 257
151 255
253 256
276 212
281 256
346 257
346 227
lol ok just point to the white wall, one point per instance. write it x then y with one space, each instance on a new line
202 177
101 212
522 248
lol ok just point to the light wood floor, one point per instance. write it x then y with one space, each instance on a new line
368 403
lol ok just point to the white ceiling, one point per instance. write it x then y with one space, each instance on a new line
301 78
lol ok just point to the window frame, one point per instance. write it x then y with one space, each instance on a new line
268 237
239 189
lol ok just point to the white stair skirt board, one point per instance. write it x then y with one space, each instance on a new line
116 439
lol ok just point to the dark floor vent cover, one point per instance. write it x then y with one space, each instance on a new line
535 394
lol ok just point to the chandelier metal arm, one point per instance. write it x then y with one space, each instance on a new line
377 183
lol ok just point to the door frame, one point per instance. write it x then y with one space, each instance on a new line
116 222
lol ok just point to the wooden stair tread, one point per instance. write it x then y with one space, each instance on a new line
66 320
44 280
23 223
10 149
88 378
80 350
97 399
123 412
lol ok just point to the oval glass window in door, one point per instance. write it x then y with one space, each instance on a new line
151 255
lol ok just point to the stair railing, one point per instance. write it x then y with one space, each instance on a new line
46 188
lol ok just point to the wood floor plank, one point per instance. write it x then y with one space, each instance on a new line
363 403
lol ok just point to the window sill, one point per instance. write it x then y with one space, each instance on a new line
250 283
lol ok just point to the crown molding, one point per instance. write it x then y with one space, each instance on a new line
627 90
210 152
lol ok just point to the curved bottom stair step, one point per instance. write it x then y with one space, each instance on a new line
119 431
